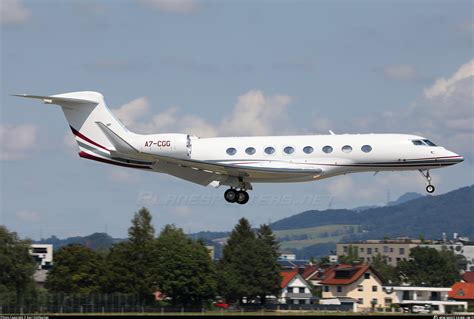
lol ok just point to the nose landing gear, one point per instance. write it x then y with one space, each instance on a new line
426 174
234 196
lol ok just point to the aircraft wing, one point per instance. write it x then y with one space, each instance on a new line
254 169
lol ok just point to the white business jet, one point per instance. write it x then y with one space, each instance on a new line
238 162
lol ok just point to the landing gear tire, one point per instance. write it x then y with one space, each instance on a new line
426 174
242 197
430 189
231 195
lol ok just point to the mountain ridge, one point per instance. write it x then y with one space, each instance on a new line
416 215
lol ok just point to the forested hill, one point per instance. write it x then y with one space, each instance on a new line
314 233
428 215
96 241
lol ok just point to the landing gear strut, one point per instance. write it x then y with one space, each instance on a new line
234 196
426 174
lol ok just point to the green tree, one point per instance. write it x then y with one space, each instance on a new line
77 269
142 232
248 266
236 267
185 270
351 257
429 267
16 264
268 276
324 262
131 264
386 271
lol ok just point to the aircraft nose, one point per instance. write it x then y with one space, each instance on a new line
456 158
460 159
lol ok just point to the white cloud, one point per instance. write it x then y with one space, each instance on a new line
133 110
16 141
256 114
401 72
446 87
174 6
12 12
253 114
443 113
28 216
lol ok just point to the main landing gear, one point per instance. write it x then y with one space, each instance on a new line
426 174
234 196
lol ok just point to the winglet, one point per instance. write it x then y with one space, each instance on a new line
331 132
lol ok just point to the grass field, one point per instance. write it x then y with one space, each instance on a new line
303 237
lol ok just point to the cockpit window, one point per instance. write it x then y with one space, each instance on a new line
429 143
423 142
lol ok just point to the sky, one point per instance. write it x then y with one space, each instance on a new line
224 68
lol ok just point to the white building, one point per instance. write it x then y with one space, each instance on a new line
285 255
436 298
43 254
294 289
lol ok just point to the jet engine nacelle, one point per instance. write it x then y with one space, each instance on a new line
175 145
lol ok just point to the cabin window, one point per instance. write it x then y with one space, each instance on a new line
250 150
308 149
429 143
269 150
231 151
347 149
327 149
288 150
366 148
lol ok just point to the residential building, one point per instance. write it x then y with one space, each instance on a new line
43 254
398 249
39 277
463 291
294 289
434 297
286 255
313 274
394 250
358 282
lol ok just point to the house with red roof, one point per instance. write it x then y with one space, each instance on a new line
360 283
463 291
314 274
295 290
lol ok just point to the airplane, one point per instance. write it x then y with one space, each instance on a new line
240 162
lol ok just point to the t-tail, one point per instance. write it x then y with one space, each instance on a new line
98 133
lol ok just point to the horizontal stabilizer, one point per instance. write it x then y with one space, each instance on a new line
56 99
